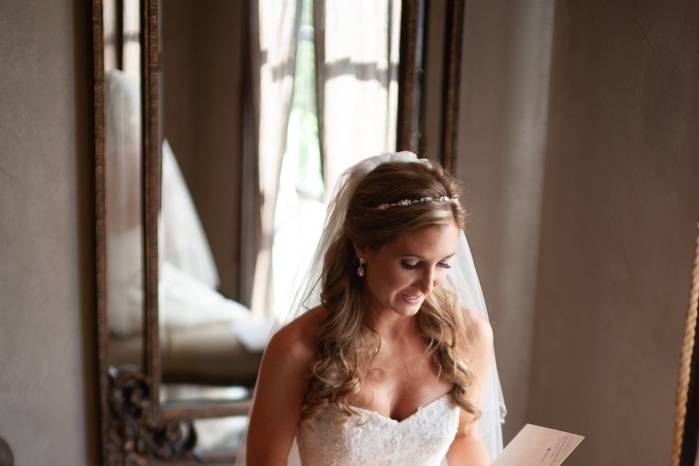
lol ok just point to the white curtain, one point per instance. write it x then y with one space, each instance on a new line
358 79
124 230
357 43
277 25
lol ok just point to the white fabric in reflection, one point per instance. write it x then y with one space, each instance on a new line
183 242
188 276
123 239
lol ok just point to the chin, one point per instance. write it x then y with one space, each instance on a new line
406 309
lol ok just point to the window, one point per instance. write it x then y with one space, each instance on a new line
300 207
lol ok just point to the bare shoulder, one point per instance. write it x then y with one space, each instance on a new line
280 388
481 352
296 340
478 328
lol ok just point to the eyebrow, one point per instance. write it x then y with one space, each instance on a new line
422 258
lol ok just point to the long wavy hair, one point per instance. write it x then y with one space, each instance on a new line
344 338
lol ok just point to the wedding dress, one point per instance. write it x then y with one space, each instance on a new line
369 438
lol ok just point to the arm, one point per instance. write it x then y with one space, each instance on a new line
281 384
467 449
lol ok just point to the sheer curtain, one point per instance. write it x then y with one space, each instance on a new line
358 45
357 51
275 25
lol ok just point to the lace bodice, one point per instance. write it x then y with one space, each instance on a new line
369 438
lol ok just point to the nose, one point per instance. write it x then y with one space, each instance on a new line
428 281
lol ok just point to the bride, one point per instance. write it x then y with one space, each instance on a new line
394 365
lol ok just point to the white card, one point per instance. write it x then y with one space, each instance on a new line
538 446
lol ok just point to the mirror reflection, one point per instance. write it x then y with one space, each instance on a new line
209 339
123 171
208 335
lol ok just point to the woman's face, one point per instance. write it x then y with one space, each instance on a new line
401 274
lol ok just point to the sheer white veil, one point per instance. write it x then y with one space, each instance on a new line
462 277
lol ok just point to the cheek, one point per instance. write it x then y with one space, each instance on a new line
399 280
441 277
389 279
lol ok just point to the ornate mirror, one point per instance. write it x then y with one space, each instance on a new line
186 235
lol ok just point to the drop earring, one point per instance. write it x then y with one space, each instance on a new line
360 269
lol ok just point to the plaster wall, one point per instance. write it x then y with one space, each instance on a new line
47 363
620 204
579 145
501 143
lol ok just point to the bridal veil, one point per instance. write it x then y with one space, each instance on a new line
462 278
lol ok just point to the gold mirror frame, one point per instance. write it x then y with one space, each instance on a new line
135 429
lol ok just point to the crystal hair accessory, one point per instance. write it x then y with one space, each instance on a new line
407 202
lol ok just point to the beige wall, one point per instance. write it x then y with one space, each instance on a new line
47 395
502 131
585 251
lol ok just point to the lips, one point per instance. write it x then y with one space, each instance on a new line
411 298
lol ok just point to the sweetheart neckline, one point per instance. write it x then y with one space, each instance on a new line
396 421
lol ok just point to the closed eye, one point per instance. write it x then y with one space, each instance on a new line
414 265
409 265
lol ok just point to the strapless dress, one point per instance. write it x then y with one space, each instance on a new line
370 439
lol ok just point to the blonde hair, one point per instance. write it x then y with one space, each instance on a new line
344 339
